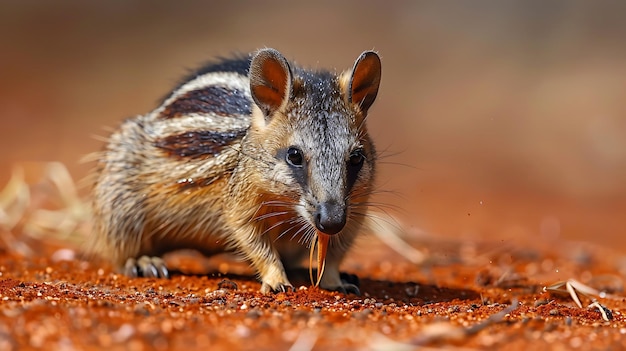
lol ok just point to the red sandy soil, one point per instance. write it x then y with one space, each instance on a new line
486 295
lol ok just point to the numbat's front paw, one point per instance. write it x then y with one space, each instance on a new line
349 284
146 266
274 280
266 288
345 288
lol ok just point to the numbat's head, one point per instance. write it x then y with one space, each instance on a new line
315 146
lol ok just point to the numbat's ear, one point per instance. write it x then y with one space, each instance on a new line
364 81
270 80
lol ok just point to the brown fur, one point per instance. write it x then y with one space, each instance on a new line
187 176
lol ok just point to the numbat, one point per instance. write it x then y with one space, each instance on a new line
253 155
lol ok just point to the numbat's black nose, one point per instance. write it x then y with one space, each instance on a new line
330 217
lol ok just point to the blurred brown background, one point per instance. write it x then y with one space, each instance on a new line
500 119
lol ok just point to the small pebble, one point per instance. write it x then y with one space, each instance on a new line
254 314
362 315
412 291
123 333
568 321
226 284
576 342
242 331
63 255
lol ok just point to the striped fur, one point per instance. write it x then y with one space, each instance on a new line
208 168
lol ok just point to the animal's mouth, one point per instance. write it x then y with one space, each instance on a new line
322 249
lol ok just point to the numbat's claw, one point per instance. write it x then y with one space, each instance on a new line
146 266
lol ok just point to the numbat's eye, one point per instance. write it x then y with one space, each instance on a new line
294 157
357 158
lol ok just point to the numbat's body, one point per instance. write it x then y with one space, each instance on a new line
252 155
